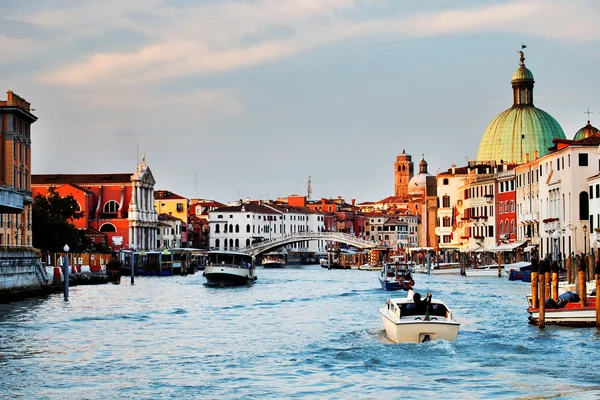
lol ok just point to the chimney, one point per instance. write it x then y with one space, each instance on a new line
535 155
526 157
353 202
453 169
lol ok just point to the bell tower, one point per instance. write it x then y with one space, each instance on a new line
403 172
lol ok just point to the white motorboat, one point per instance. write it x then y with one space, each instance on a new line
227 268
405 323
273 260
441 269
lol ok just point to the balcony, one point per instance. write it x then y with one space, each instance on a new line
551 224
12 201
529 218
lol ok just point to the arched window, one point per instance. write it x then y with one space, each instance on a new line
248 228
217 242
584 206
230 228
512 226
108 228
501 228
237 228
225 228
237 242
217 230
111 206
230 242
247 242
224 244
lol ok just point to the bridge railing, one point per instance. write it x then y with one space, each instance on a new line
309 235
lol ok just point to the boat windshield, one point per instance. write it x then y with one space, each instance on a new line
437 310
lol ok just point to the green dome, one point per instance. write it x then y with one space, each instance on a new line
586 132
522 129
516 131
522 74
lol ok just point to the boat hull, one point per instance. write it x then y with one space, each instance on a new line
273 264
390 285
419 331
228 276
573 314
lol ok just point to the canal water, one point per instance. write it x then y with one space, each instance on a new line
302 332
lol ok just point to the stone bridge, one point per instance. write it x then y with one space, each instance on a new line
262 247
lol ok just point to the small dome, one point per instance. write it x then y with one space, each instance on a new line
418 183
522 74
586 132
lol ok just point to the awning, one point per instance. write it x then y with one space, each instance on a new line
508 246
529 248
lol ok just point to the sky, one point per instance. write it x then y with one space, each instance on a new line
231 99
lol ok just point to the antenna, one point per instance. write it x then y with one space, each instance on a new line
309 189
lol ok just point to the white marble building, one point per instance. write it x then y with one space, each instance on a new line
142 216
237 226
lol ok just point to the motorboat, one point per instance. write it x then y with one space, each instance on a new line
439 269
228 268
404 322
396 276
570 314
273 260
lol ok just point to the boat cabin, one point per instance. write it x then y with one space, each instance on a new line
230 259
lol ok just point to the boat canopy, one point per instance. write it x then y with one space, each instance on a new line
228 257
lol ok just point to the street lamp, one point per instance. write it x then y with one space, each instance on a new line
66 272
584 239
555 237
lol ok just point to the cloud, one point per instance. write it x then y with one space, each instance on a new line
206 38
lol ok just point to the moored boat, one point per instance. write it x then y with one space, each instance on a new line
227 268
273 260
571 314
405 322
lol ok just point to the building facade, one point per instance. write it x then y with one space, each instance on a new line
118 208
15 175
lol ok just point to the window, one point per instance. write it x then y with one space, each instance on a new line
446 201
445 181
237 229
501 206
583 160
248 228
217 242
584 211
111 207
108 228
217 229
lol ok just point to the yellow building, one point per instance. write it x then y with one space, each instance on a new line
171 203
15 171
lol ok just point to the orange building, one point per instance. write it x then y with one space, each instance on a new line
15 171
118 208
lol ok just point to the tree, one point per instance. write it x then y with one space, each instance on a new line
52 217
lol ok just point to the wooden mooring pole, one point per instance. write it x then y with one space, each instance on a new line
499 264
582 282
534 282
555 281
542 292
597 277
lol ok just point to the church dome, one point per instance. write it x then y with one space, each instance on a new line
418 183
586 132
521 129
